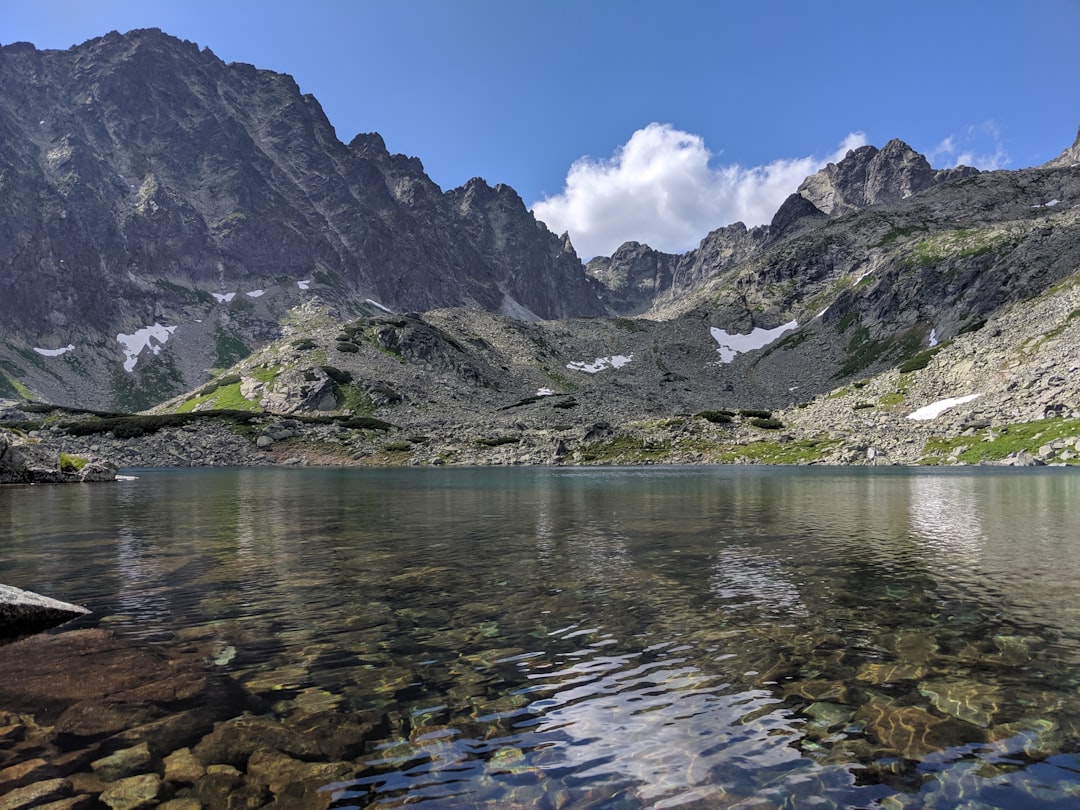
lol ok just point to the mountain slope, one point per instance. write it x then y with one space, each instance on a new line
141 176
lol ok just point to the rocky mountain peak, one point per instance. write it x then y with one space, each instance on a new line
1070 157
868 176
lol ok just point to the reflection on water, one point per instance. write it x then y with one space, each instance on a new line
612 638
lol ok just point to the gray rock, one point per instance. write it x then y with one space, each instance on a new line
24 611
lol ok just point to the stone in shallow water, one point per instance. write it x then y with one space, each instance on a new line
36 794
878 673
278 772
122 763
970 701
133 792
907 730
24 612
233 741
183 767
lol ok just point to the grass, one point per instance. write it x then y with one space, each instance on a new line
994 444
72 464
958 244
225 397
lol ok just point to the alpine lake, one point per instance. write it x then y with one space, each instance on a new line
720 637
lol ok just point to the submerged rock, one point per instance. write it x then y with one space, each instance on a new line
23 612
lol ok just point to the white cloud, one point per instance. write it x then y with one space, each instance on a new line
658 188
980 147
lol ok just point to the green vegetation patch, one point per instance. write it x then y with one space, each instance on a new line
718 417
71 463
767 424
899 233
225 397
753 413
919 361
995 444
228 349
958 244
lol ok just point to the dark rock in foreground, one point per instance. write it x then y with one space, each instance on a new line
23 462
23 612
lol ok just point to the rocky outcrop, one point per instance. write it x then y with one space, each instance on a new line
633 276
29 462
869 176
1070 157
23 612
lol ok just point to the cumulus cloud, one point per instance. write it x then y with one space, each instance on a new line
980 146
659 188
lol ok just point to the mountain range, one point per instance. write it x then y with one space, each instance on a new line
180 233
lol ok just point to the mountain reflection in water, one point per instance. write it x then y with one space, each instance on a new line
615 638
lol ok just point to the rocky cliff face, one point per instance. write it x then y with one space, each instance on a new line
1070 157
147 185
868 176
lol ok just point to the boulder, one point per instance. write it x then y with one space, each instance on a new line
25 462
23 612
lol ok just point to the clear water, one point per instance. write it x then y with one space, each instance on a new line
614 638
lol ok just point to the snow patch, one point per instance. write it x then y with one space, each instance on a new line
55 352
149 337
731 345
545 392
936 409
224 298
255 293
933 338
304 285
820 314
600 363
371 301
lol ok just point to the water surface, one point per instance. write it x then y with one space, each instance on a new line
613 638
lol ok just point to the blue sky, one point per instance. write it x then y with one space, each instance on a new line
655 121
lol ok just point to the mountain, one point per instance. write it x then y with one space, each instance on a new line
185 235
149 190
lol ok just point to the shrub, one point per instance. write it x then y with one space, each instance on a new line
70 463
919 361
495 441
337 375
343 346
767 423
716 417
397 447
755 414
304 344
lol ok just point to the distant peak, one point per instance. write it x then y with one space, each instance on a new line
1070 157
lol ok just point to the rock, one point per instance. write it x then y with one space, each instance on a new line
24 612
278 772
22 462
233 741
184 767
133 793
95 685
122 763
36 794
23 773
